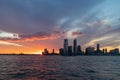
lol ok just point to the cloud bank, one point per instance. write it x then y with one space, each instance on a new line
90 21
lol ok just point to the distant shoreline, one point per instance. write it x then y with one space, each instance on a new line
56 55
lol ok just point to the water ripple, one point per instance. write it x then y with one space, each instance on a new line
59 67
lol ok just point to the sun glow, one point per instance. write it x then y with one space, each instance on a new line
38 52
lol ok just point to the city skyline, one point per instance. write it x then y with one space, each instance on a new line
30 26
76 49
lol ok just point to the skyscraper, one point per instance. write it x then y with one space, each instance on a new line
75 46
61 51
105 50
98 47
98 51
65 46
70 50
79 52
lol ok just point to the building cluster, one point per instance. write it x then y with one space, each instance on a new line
69 50
76 50
46 52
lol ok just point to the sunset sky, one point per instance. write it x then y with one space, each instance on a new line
29 26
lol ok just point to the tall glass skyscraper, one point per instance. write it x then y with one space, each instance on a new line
75 46
65 46
98 47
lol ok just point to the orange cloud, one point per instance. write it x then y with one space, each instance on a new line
8 43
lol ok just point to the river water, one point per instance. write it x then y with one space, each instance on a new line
35 67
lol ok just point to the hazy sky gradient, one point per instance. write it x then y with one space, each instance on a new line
32 25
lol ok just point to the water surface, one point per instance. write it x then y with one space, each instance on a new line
34 67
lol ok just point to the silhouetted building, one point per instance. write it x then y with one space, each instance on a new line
45 52
79 51
98 51
90 51
65 46
75 47
61 51
70 50
53 52
114 51
106 51
98 47
76 50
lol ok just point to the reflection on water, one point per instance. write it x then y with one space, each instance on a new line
28 67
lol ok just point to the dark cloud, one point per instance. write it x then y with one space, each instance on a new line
30 16
53 19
